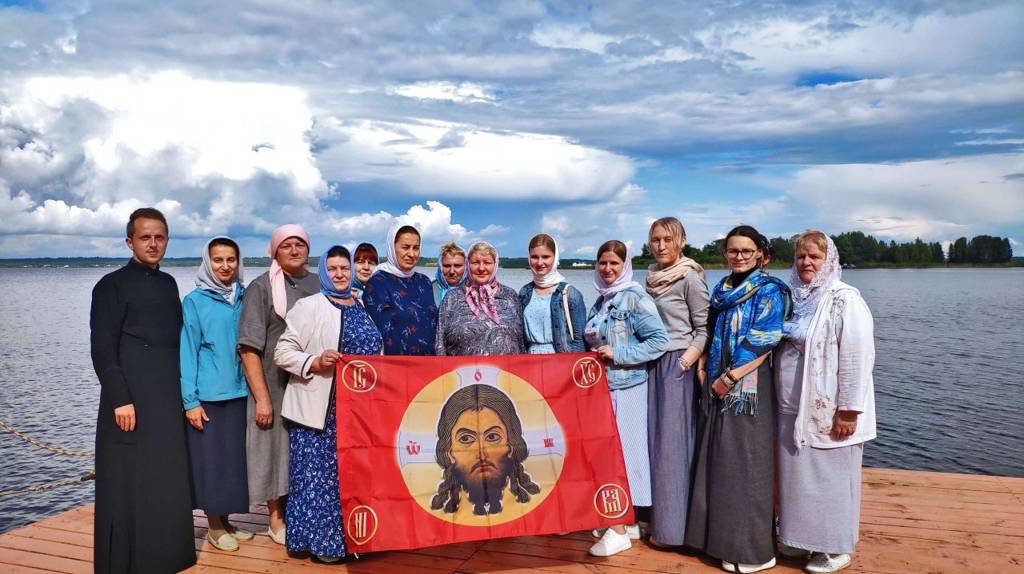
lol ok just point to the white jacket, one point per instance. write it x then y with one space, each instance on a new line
313 326
839 357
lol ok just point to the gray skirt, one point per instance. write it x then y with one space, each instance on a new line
672 427
819 494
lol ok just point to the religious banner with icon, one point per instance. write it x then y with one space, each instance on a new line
436 450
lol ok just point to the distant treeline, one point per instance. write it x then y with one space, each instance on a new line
859 249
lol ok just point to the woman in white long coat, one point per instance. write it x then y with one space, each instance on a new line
825 397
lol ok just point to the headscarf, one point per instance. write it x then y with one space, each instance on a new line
443 283
276 276
481 297
806 296
552 277
390 266
660 280
206 279
622 282
326 285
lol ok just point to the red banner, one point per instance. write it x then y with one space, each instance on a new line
435 450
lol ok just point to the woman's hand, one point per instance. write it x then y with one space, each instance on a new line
606 353
324 364
124 416
702 372
844 424
688 358
264 414
196 416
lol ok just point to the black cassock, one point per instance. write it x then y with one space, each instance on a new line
143 500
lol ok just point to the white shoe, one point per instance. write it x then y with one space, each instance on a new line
278 536
747 568
632 530
792 552
240 534
225 542
822 563
610 544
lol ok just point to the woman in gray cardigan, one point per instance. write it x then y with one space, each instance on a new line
677 285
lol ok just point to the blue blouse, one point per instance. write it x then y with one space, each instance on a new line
537 318
404 312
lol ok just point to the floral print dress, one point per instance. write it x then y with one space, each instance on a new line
404 311
314 504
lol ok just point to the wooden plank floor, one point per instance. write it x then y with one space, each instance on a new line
911 522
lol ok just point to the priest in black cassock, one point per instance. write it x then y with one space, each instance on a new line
143 499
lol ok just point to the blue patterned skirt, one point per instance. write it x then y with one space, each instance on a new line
314 505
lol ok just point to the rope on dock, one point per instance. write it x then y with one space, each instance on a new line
56 450
91 475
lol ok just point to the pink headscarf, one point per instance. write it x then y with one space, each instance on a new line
276 276
481 297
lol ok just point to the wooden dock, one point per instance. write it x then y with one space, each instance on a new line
911 522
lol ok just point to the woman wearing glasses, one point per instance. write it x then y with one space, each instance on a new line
730 514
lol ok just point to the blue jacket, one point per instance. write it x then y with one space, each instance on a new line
564 341
635 332
210 369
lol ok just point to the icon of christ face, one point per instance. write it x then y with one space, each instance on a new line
480 449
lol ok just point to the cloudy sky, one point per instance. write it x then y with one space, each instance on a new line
499 120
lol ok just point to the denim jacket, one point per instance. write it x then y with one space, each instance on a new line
635 332
564 341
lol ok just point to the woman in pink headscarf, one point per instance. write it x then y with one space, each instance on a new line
264 305
481 317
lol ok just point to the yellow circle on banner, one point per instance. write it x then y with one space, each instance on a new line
478 446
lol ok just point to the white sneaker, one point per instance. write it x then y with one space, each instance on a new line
611 543
747 568
632 530
278 536
822 563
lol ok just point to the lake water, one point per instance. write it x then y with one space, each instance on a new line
948 377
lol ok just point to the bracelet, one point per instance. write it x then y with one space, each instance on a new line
729 376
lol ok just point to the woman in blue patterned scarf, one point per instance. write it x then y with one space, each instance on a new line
731 511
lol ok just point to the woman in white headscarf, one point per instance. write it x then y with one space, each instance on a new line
826 408
553 311
214 391
401 301
482 316
625 329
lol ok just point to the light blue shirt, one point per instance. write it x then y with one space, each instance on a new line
210 368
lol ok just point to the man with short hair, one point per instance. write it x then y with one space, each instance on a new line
451 271
143 519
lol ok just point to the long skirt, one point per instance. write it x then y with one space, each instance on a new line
819 494
630 407
217 453
314 501
672 422
730 515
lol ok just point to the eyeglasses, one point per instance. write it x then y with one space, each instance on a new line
740 253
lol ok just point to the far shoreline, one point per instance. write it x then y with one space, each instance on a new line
506 263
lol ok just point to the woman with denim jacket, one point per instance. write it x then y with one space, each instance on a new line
553 311
624 328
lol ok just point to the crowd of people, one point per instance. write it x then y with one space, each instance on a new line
742 408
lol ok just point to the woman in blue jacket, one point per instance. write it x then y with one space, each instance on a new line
625 329
214 391
553 311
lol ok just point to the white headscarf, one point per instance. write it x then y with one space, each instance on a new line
622 282
552 277
206 279
806 296
390 265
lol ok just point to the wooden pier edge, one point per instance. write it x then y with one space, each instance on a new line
911 522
